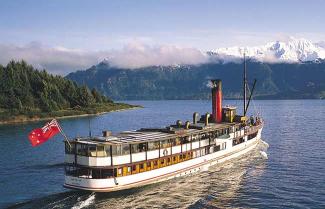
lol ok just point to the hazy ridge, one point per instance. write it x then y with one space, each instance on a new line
275 81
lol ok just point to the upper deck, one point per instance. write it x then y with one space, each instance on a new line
149 143
158 134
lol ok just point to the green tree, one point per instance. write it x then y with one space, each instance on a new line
23 88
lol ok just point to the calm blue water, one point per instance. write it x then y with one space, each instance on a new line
293 176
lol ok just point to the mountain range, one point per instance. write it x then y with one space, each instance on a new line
294 69
291 50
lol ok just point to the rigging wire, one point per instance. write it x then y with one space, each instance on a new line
255 109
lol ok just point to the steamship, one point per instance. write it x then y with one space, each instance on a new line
135 158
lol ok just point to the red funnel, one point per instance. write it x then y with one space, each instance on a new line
217 101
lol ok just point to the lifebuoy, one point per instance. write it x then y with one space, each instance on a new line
165 152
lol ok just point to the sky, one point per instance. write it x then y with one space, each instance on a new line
67 35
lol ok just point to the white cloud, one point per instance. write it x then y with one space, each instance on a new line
57 60
136 55
60 60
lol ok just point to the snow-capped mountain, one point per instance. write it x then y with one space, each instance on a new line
292 50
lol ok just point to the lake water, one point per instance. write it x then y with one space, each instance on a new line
292 175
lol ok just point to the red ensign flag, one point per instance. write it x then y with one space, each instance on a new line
41 135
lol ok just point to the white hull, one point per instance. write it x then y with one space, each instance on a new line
165 173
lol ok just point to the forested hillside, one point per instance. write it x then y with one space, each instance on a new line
274 81
25 91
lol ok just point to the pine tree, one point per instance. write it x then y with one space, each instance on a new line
23 89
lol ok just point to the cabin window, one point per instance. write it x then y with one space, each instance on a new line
138 147
153 145
176 141
135 169
79 172
170 142
82 149
251 136
207 150
168 160
212 135
212 141
155 163
142 166
216 148
195 138
119 171
164 144
116 150
162 162
101 151
205 136
108 150
185 140
129 169
148 164
125 149
134 148
142 147
202 152
107 173
95 173
197 153
91 150
238 141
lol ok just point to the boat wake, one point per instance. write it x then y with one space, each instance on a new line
84 203
263 146
264 154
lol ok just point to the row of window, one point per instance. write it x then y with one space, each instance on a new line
251 136
153 164
241 140
238 141
98 173
98 150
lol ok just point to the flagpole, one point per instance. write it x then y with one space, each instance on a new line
62 132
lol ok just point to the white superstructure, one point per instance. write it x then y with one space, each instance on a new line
146 156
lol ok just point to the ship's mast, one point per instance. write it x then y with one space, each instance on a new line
244 85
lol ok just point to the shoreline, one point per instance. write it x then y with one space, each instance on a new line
36 119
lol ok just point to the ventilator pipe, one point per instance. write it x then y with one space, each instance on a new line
195 116
207 116
187 124
179 123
